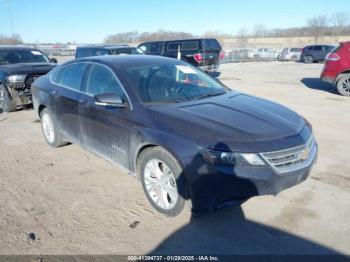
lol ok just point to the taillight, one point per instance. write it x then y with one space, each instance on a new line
332 57
222 55
198 57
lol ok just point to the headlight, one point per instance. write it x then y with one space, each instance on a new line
16 78
230 158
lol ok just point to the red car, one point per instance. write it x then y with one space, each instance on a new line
337 68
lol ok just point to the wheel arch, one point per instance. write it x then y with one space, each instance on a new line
341 74
148 145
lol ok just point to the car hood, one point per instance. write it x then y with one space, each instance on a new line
234 120
27 68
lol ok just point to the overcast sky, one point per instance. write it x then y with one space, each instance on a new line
90 21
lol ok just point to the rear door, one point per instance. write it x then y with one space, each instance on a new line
211 52
105 130
66 95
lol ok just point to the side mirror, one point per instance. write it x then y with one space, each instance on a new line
53 60
111 100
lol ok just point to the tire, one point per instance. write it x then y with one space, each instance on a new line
293 58
50 130
162 181
7 104
308 59
343 85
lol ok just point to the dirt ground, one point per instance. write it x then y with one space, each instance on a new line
73 202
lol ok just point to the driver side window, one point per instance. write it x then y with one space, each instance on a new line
102 81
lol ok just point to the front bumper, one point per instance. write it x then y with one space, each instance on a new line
216 186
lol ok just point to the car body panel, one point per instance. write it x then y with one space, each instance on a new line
334 68
233 122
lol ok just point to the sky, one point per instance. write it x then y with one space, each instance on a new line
90 21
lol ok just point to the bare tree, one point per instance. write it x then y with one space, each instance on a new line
242 36
259 30
318 26
339 22
10 40
122 38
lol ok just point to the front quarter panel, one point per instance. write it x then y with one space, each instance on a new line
40 93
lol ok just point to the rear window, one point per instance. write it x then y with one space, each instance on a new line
184 46
212 44
85 52
295 49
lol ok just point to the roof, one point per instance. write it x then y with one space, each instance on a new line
131 61
180 40
104 46
14 47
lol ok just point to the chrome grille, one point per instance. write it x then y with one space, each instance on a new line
293 159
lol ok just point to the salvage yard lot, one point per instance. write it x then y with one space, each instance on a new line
76 203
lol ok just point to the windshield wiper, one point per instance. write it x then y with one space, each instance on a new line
210 95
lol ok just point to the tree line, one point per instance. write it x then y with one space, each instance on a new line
317 26
10 40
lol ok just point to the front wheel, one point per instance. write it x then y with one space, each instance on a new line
162 181
50 130
7 104
343 85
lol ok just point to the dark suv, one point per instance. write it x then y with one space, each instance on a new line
19 67
315 53
203 53
86 51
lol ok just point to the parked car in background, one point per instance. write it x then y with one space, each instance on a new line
315 53
290 54
204 53
266 54
86 51
181 132
19 67
337 68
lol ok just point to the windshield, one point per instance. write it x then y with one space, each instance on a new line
172 83
22 56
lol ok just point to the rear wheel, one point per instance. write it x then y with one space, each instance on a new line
343 85
162 181
50 130
308 59
293 58
6 102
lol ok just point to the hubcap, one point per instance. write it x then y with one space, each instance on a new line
160 184
346 85
48 128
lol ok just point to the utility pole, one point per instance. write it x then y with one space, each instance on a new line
7 4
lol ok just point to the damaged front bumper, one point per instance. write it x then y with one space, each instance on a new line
21 91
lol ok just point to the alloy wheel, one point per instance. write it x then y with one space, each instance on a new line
48 128
160 184
345 85
2 98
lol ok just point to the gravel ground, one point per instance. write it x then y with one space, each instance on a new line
68 201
